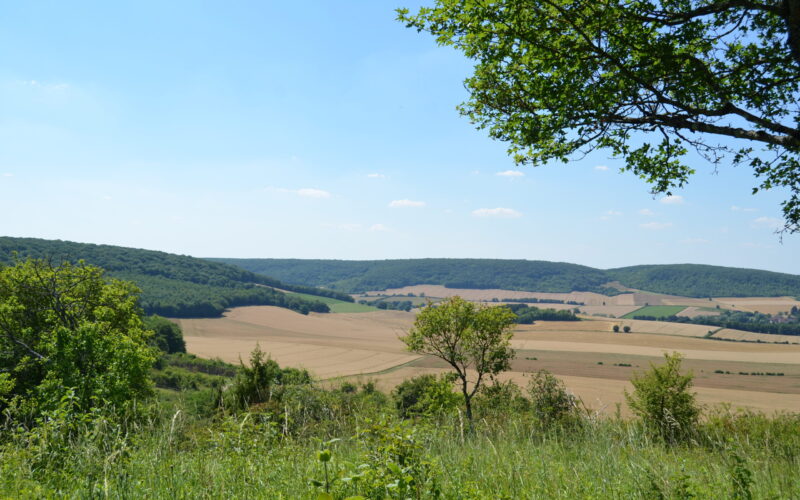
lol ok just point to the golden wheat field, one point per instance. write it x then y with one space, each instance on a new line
594 362
598 304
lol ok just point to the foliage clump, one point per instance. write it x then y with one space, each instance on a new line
68 331
663 401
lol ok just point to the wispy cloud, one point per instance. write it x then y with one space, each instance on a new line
601 168
304 192
760 246
313 193
511 173
611 213
376 176
406 204
344 227
378 227
8 174
673 199
695 241
734 208
768 222
36 84
507 213
647 212
655 226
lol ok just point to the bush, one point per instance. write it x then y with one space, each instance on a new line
426 395
501 399
550 401
662 400
616 328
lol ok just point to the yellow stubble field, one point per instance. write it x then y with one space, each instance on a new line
587 355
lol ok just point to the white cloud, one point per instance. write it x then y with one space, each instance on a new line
655 226
750 244
344 227
647 212
406 204
376 176
602 168
769 222
673 199
734 208
511 173
304 192
508 213
613 213
695 241
313 193
107 197
8 174
44 86
378 227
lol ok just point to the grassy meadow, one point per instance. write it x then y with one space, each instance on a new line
179 453
655 311
336 305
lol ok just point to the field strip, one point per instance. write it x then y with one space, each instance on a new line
603 395
323 361
754 357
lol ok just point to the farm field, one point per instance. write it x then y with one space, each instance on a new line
595 303
336 305
655 311
584 354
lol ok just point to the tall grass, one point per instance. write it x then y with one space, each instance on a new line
175 455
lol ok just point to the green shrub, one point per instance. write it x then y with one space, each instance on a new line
550 401
426 395
663 402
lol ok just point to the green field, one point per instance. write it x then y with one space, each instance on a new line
336 305
656 311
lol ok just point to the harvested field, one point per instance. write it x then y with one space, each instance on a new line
587 355
326 344
693 312
768 305
727 333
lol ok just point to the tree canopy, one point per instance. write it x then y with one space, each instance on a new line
467 337
70 332
646 80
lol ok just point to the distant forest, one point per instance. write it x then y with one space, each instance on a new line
173 285
690 280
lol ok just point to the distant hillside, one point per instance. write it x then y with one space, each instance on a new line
690 280
360 276
173 285
697 280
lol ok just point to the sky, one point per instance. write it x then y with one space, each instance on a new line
314 129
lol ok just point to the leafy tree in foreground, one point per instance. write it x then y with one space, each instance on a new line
647 80
467 337
662 399
67 331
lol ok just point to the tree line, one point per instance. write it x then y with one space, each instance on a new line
173 285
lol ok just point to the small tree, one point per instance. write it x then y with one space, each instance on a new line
550 400
467 337
662 399
69 331
616 328
626 329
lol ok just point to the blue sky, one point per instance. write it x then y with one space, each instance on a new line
313 129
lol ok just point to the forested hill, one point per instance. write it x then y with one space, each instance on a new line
359 276
697 280
172 285
689 280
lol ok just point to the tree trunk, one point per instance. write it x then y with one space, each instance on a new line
467 401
